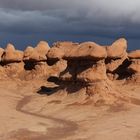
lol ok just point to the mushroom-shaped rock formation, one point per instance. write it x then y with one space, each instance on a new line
12 55
85 69
69 50
38 53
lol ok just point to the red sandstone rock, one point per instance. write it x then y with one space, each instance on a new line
117 49
1 52
134 54
38 53
135 66
12 55
69 50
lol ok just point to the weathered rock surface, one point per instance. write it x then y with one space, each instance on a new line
1 53
134 54
116 58
12 55
69 50
38 53
95 73
114 64
86 66
135 66
117 49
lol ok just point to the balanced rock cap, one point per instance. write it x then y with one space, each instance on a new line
91 50
117 49
60 49
55 53
69 50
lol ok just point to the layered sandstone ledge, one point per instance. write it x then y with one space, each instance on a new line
87 65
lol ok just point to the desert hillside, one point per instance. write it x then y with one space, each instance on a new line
70 91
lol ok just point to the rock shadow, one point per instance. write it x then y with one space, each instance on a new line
47 90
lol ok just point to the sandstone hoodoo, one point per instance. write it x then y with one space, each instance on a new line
11 54
11 60
35 60
38 53
85 69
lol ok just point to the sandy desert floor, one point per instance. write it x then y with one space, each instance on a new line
26 115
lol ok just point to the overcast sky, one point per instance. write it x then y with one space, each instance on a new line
25 22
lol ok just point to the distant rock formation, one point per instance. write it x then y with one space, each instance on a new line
86 65
86 68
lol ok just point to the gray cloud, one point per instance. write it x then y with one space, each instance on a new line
60 19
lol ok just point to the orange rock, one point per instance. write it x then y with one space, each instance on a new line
12 55
87 50
134 54
38 53
93 74
117 49
1 52
135 66
69 50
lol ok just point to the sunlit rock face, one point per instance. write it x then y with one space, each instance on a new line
117 59
134 68
85 66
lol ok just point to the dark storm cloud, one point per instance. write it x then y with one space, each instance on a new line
91 18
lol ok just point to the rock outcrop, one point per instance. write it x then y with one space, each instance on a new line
86 68
134 67
117 58
38 53
1 53
117 49
11 54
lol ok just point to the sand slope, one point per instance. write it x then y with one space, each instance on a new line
26 115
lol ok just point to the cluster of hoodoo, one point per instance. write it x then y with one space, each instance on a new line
25 65
29 64
11 60
75 66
